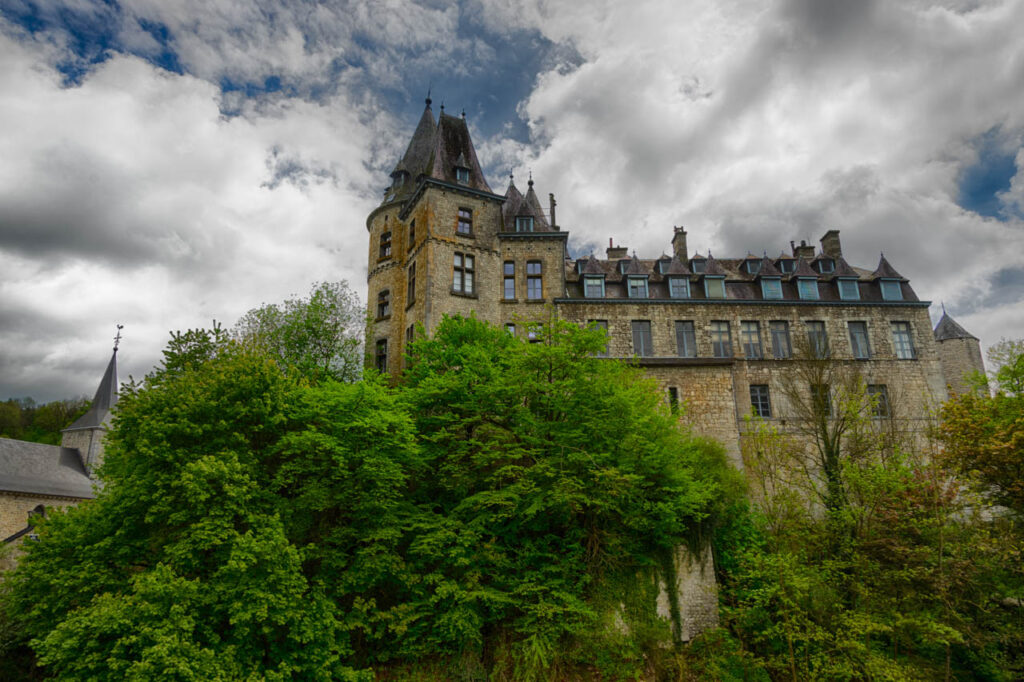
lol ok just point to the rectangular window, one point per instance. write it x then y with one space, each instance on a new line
673 400
721 339
524 224
859 340
509 290
410 287
462 274
714 287
603 326
697 265
638 287
533 332
686 339
461 174
786 265
465 224
642 342
826 266
534 281
410 334
750 337
753 266
383 304
382 355
879 396
760 401
412 235
821 401
891 290
808 288
510 328
771 288
678 287
385 244
817 339
902 341
593 287
849 290
781 346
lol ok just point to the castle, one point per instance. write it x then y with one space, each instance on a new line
716 333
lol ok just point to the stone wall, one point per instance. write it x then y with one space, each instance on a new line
14 512
959 358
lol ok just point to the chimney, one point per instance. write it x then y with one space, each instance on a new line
616 252
803 251
554 225
679 243
830 244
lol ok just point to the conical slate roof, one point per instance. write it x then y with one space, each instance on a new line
947 328
105 398
768 269
677 267
591 266
454 148
516 205
803 270
421 146
887 271
712 267
843 269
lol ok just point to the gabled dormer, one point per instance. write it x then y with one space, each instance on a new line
889 281
636 276
523 213
770 279
677 276
593 277
713 276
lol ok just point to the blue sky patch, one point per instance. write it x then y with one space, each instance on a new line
981 183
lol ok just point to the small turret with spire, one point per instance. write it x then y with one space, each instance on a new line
87 432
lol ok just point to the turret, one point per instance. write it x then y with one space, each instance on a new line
87 432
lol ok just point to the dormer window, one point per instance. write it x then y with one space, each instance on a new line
753 266
678 287
524 224
786 265
593 286
461 175
771 288
808 288
891 290
697 265
848 289
826 266
714 286
399 178
637 287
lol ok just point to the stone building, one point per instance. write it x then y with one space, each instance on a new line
717 334
34 476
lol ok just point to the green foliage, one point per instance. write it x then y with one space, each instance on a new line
25 419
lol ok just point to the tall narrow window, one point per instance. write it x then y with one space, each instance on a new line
879 396
382 355
902 341
534 281
410 334
524 224
593 286
807 288
817 339
821 401
643 345
410 287
760 401
637 287
849 290
465 224
461 175
781 346
383 304
678 287
603 326
721 339
462 274
686 339
714 287
673 400
859 346
509 290
750 337
771 288
385 244
412 235
891 290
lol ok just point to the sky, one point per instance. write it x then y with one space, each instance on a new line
167 164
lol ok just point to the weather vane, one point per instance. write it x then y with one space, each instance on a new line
117 339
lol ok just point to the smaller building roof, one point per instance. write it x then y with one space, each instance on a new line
38 469
886 271
947 329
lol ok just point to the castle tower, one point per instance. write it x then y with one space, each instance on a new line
959 353
87 432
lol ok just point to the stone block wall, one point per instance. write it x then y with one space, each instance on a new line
959 358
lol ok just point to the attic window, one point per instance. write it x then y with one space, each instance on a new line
771 288
891 290
808 288
714 287
848 289
786 265
524 224
638 287
399 179
593 286
826 266
678 287
461 174
697 265
753 266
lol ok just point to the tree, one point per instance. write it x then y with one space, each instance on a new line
316 337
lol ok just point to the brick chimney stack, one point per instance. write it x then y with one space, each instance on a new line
616 252
679 243
805 250
830 244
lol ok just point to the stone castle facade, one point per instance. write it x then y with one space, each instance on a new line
716 333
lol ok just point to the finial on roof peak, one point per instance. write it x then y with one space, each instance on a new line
463 113
442 106
530 181
428 95
117 338
943 304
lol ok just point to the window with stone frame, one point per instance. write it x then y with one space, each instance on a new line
465 223
412 235
879 395
817 339
534 281
383 304
509 281
603 326
385 244
760 401
821 400
686 339
643 344
721 339
750 337
510 328
462 273
903 341
860 347
410 287
382 355
782 347
673 400
410 334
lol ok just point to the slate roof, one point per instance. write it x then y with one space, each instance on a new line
516 205
803 270
768 269
843 269
105 398
886 271
947 329
711 267
39 469
677 267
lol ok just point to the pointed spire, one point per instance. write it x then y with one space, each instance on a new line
947 329
417 154
105 398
